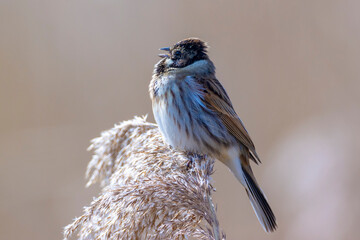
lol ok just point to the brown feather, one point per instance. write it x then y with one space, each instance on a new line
217 100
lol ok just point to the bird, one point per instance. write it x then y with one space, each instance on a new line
194 114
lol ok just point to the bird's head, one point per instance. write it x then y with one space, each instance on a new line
184 53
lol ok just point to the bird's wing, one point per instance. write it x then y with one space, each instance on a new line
216 98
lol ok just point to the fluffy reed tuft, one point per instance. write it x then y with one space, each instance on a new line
149 192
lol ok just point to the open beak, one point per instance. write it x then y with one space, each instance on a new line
165 49
164 55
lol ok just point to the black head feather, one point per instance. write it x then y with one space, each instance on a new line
187 52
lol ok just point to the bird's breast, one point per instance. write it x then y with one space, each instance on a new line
183 118
173 113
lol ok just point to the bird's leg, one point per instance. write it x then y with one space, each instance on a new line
190 164
191 156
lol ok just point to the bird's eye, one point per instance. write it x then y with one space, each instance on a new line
177 54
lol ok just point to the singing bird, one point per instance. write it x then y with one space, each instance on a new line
195 114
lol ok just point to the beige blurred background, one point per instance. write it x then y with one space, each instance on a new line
70 69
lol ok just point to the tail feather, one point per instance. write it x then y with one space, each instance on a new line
259 203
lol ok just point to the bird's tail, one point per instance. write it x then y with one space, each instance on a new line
258 202
242 171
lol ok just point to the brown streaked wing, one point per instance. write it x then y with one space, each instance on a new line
217 100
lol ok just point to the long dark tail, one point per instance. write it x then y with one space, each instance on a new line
258 201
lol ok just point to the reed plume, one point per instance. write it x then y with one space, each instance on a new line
149 191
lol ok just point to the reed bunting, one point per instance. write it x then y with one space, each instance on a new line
195 114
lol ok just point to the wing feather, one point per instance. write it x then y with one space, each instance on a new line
217 100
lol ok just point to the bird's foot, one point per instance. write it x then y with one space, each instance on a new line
190 164
192 158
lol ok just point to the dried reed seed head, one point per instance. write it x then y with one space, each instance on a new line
149 192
